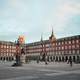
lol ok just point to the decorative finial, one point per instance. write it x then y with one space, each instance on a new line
52 34
42 37
52 37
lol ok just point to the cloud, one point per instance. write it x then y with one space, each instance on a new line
63 13
34 17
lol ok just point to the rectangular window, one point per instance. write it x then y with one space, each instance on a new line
77 41
65 47
59 43
65 42
56 44
62 42
77 51
56 48
77 46
69 42
73 46
69 47
4 46
7 46
59 48
7 54
62 47
73 51
1 46
65 52
73 41
69 52
62 52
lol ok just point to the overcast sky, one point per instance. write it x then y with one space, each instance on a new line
32 18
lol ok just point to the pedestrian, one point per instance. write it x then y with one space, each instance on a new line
46 60
70 61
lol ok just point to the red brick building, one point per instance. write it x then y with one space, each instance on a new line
7 50
55 49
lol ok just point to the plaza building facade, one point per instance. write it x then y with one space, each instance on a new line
53 49
7 51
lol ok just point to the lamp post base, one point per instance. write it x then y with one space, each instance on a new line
16 64
18 61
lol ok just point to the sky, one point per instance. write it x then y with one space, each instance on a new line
33 18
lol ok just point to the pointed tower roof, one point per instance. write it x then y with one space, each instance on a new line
52 37
52 32
41 37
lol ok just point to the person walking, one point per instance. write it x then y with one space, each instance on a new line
70 61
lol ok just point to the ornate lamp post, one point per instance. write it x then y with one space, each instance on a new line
19 52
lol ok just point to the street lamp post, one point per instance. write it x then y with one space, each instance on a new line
18 54
19 51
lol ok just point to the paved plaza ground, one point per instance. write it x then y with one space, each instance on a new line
34 71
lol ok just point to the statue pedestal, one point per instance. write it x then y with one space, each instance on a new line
18 61
23 58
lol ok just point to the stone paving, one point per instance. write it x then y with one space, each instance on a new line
34 71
